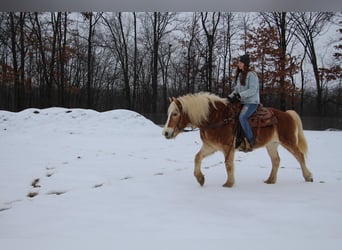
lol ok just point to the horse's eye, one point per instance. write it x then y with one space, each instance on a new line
175 114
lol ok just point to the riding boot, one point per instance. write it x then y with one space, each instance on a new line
251 144
247 145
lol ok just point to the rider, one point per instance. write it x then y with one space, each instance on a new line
246 91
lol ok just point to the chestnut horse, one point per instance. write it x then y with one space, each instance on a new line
217 121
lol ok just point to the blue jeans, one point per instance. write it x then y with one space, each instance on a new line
246 112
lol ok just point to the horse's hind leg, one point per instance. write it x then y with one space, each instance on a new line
272 149
301 159
204 152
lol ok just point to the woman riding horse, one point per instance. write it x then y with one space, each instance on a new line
247 92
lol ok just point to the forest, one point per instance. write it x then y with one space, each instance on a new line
137 60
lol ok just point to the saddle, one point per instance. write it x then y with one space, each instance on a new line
262 117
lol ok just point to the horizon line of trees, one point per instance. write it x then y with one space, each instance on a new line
104 61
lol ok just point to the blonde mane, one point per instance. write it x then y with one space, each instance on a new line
197 106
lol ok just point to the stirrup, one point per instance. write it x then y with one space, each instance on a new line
246 147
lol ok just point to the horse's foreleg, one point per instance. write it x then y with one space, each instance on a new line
204 152
272 150
229 161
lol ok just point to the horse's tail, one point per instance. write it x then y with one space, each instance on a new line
301 141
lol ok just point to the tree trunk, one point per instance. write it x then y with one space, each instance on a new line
125 66
21 93
135 62
283 45
16 103
210 35
90 62
155 62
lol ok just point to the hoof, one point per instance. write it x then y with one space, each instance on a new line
200 179
228 184
310 179
270 181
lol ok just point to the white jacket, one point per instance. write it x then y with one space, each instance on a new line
250 92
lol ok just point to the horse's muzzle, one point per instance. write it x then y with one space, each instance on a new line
168 133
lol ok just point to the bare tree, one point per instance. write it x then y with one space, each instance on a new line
229 32
308 26
45 64
59 22
164 61
92 18
189 52
156 25
284 29
135 61
245 27
210 28
160 22
120 39
14 30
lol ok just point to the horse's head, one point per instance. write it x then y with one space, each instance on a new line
177 120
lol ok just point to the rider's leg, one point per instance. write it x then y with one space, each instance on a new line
246 112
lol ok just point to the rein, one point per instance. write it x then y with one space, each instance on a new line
222 123
212 126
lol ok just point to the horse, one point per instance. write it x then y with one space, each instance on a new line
217 120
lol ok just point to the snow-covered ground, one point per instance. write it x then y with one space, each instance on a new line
79 174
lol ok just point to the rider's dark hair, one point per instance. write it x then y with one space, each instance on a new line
243 76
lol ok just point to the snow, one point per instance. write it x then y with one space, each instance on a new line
112 180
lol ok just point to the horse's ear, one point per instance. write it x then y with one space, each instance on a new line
172 99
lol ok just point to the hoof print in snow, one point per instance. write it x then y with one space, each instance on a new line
49 171
126 178
159 174
98 185
4 209
32 194
56 192
35 183
68 111
36 112
180 169
49 174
